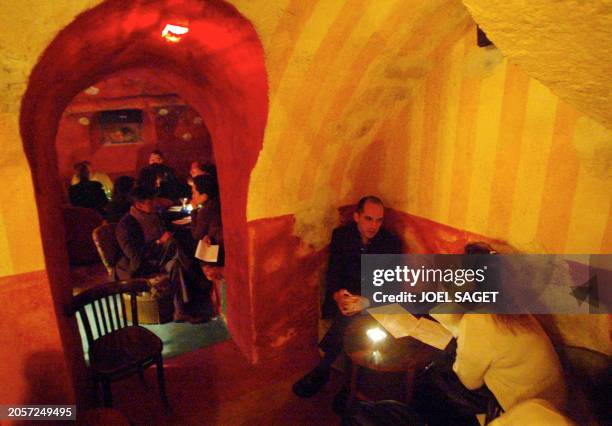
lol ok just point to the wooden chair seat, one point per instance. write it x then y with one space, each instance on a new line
123 351
118 345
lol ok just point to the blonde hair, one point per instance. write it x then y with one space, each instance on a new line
516 323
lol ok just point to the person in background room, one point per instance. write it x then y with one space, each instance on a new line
96 176
151 177
198 168
206 226
169 187
87 193
157 157
363 236
149 249
120 201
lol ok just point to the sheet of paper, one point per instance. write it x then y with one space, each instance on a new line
395 319
183 221
207 253
432 333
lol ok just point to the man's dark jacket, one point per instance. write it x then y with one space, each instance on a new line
138 258
344 270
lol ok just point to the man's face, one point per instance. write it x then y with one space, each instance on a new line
146 206
155 159
369 220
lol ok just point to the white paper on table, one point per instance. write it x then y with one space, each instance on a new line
207 253
183 221
432 333
395 319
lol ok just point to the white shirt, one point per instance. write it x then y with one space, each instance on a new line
515 367
533 412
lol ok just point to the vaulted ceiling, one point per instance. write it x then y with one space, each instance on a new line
567 45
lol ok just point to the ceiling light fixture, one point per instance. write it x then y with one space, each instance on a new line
173 33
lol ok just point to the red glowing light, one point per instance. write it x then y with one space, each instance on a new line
173 33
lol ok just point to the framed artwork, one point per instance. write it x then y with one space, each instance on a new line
121 133
121 126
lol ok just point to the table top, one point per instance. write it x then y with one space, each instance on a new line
393 355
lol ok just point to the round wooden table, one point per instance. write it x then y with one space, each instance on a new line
405 355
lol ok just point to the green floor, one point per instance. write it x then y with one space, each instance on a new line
181 337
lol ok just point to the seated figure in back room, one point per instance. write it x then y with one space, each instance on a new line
363 236
120 201
94 175
166 189
198 168
170 186
87 193
148 249
207 228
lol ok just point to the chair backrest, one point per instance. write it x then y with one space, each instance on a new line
107 245
104 307
589 374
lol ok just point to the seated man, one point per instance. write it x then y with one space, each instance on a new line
349 242
94 175
148 249
87 193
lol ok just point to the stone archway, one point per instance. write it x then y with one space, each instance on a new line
218 68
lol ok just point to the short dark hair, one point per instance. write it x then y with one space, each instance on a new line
141 193
157 152
370 199
209 168
478 247
206 184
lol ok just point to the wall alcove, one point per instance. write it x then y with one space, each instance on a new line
218 68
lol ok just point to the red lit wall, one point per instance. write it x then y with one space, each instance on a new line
180 134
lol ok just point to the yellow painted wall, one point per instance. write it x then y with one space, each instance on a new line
26 28
487 149
336 69
368 97
564 44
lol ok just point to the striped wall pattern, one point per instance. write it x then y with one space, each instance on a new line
461 136
492 151
352 64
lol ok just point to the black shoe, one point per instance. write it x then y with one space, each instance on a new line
311 383
339 404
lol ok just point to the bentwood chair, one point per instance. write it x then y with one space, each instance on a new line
117 349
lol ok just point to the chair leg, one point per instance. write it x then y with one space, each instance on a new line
94 391
162 381
106 388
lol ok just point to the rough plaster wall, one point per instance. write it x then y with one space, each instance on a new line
567 45
353 65
27 27
336 69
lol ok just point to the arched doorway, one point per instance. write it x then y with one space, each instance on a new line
218 68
